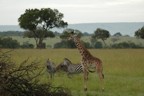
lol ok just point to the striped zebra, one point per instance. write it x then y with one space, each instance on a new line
71 68
50 68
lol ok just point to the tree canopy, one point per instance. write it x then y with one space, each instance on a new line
101 34
140 33
38 23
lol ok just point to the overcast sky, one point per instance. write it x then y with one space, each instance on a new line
77 11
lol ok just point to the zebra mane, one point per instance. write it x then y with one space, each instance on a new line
66 59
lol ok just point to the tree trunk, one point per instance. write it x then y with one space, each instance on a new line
40 44
104 42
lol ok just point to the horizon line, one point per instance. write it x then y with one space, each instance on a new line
83 23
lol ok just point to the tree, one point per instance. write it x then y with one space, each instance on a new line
101 34
64 36
41 35
38 23
118 34
140 33
66 32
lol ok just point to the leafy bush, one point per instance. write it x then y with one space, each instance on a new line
65 44
27 45
70 44
126 45
95 43
98 45
86 44
23 80
9 43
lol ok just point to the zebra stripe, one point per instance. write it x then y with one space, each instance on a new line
79 68
71 68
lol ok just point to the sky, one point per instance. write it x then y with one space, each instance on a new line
77 11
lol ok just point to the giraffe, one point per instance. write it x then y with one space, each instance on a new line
87 60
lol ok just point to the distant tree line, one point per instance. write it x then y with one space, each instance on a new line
95 40
11 33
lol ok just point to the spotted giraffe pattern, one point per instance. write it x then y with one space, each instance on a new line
87 60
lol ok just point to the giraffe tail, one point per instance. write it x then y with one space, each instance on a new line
91 71
103 75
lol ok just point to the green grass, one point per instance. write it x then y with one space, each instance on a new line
123 69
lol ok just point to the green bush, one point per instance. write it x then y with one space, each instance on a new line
9 43
98 45
27 45
126 45
70 44
65 44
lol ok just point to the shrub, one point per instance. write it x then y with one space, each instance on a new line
65 44
27 45
9 43
98 45
86 44
23 80
126 45
95 43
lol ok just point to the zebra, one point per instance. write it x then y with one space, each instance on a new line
71 68
50 68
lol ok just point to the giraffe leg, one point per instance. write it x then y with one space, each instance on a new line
85 79
99 70
101 77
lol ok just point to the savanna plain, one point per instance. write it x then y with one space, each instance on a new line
123 70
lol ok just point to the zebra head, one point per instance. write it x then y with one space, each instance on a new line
64 65
50 66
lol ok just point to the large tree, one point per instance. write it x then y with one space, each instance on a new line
39 22
140 33
101 34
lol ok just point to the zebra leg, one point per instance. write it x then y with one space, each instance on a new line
69 75
51 75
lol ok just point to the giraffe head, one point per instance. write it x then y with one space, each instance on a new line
72 36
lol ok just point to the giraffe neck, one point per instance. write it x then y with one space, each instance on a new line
83 51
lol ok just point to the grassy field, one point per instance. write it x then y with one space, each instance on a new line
123 69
